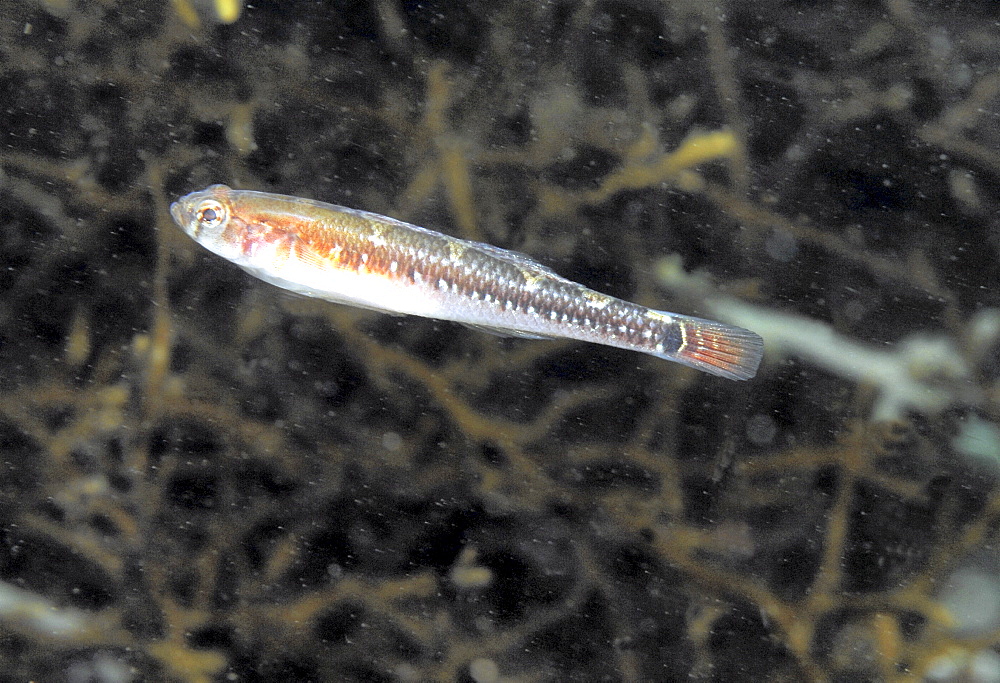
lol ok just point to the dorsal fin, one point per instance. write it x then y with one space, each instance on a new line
516 257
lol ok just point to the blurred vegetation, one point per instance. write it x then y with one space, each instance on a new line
205 480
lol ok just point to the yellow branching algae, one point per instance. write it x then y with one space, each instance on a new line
204 480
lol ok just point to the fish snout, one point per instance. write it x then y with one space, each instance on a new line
178 214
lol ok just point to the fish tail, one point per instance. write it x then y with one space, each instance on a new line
723 350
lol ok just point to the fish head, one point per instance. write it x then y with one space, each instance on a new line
207 217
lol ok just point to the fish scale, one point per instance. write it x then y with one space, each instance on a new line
363 259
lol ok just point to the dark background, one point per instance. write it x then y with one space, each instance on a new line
202 479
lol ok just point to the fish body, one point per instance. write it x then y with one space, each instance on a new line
365 259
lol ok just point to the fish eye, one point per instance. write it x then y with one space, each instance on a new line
211 214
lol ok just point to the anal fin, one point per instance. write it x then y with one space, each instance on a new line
505 332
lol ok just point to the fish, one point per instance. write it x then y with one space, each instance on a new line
367 260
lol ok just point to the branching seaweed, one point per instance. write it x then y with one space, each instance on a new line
205 480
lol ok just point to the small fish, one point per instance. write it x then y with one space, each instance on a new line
372 261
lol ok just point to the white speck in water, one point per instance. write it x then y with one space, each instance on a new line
391 441
483 670
781 245
761 430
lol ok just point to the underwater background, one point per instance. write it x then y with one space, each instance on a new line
203 479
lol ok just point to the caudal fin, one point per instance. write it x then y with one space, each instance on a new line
719 349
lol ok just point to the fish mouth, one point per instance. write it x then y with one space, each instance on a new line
177 212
